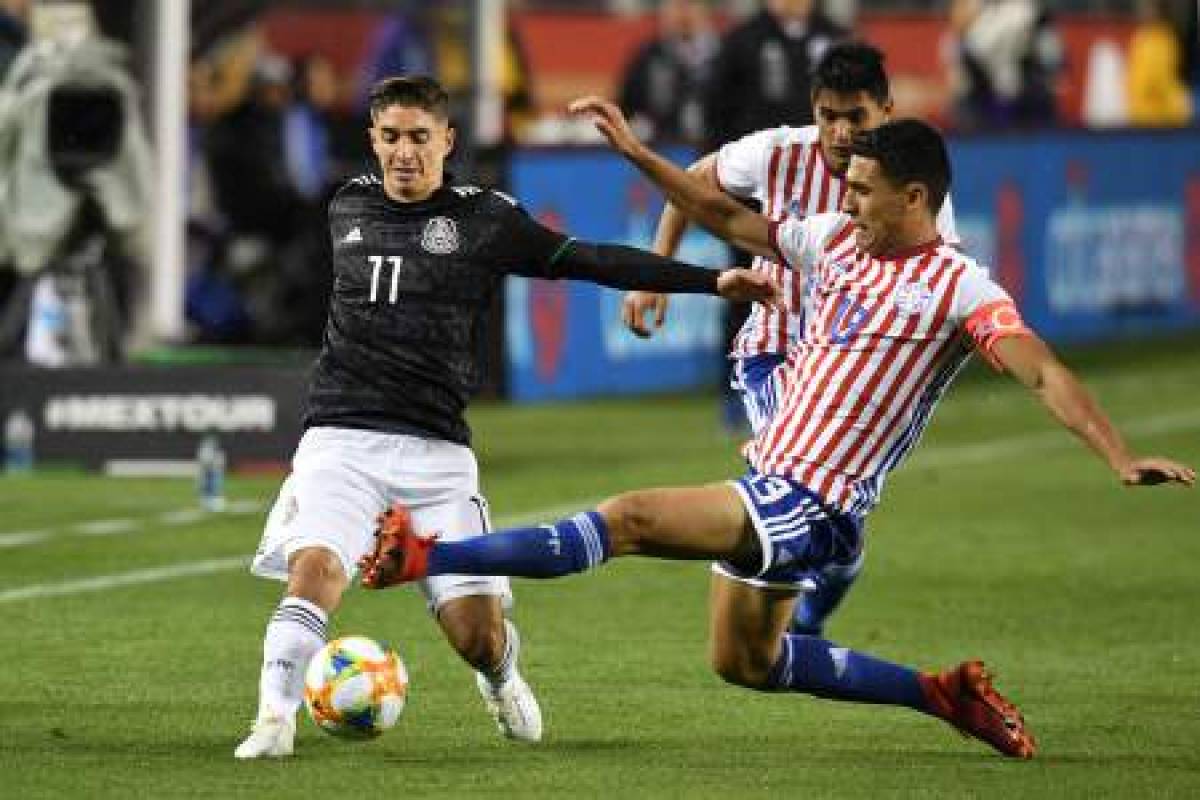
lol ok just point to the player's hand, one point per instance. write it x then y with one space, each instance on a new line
749 286
1153 471
609 120
634 308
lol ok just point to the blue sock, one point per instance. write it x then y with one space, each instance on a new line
813 608
818 667
548 551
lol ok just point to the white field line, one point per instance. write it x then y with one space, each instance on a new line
105 527
931 458
112 527
104 582
184 516
22 538
967 454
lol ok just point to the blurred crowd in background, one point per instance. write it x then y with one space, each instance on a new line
276 112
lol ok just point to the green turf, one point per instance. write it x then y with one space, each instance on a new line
1084 597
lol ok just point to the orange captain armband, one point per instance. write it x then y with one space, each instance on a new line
992 322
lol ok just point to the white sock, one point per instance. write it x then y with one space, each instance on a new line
498 675
296 631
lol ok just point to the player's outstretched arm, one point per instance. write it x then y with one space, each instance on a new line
1031 362
748 286
529 248
713 209
623 267
672 224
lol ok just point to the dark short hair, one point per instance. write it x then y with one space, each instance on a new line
412 91
908 151
852 66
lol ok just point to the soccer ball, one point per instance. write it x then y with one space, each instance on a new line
355 688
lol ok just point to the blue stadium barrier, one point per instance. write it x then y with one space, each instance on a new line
1097 235
565 339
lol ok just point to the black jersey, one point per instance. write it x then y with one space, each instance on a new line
413 282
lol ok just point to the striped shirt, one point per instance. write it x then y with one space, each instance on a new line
784 169
882 340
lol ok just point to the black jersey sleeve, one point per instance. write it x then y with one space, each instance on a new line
624 267
531 249
522 245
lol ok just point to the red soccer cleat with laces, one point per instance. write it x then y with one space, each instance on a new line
401 555
964 697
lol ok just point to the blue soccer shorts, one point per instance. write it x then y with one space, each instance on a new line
799 535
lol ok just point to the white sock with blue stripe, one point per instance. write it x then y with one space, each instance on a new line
294 634
500 673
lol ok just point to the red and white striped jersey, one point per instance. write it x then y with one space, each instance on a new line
882 339
784 169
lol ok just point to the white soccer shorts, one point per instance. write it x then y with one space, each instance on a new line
342 479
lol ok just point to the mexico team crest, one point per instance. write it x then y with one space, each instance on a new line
440 236
913 298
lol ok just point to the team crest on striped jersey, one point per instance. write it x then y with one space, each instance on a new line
440 236
913 298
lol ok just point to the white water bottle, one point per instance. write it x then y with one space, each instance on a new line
18 442
210 474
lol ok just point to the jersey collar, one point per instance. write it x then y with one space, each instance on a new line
916 250
441 198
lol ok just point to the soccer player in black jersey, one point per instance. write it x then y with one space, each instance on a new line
416 263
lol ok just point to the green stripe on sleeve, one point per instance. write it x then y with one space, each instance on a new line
561 249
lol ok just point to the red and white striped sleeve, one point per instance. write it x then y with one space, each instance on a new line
742 164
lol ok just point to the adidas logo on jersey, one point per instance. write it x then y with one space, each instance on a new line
353 237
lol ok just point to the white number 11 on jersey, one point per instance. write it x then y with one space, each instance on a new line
376 271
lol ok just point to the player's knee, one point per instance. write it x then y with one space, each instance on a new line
474 627
317 575
480 646
740 669
631 518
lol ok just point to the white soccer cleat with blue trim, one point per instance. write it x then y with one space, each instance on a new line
271 737
513 706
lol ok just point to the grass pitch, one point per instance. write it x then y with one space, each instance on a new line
132 633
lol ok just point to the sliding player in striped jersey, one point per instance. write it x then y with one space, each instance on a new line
794 172
892 314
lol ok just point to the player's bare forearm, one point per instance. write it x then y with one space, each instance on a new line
1075 408
671 227
1031 362
672 223
716 211
708 206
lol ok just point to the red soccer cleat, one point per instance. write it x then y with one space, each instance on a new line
964 697
401 555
